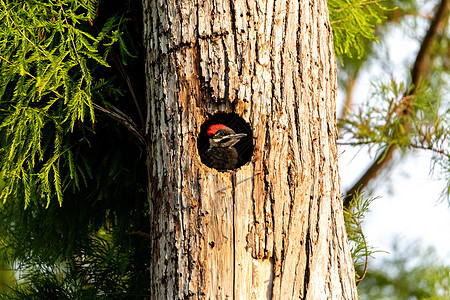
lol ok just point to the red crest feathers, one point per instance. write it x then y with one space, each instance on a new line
214 128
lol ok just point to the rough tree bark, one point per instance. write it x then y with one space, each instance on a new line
274 228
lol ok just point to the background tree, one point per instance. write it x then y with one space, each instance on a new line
408 114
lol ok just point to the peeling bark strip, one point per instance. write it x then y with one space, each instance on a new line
277 231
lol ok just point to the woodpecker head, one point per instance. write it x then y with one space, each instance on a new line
223 136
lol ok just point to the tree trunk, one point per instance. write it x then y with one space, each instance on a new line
273 229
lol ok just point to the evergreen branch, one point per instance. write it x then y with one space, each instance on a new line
12 64
339 21
72 40
364 243
419 70
22 34
354 217
125 76
415 146
358 4
86 75
357 19
359 143
141 234
122 118
422 147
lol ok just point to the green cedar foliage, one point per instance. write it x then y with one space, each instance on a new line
57 58
353 23
386 120
101 271
91 242
52 56
354 216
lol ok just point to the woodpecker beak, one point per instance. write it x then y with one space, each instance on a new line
229 140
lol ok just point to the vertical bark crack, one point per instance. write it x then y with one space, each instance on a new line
235 35
307 255
233 187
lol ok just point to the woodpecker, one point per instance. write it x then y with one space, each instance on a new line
221 154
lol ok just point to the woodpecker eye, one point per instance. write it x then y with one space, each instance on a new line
225 142
220 133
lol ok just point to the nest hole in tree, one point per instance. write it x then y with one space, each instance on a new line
244 147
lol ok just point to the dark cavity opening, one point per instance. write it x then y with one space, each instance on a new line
217 157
